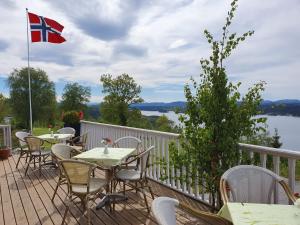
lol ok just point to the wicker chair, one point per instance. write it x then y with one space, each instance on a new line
62 152
22 146
136 178
129 142
163 209
81 184
36 150
79 142
251 184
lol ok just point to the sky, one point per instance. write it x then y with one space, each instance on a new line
157 42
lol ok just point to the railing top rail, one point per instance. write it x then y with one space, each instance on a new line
133 129
271 151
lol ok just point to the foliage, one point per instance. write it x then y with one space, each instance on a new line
216 116
122 91
136 119
275 140
42 95
71 118
4 107
164 124
75 97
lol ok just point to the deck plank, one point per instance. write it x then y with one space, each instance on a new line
8 213
28 206
27 200
15 196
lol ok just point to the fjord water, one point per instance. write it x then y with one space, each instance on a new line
288 127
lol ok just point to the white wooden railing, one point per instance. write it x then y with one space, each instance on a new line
161 140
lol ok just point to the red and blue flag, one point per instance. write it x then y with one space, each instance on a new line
45 30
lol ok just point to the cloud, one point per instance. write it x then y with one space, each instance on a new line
129 50
105 20
3 45
178 43
158 42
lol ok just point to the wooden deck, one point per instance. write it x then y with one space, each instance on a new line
27 200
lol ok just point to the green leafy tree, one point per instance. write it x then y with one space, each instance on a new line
75 97
275 140
136 119
121 92
164 124
42 95
4 108
216 115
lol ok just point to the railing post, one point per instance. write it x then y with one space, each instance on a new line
292 171
276 169
263 160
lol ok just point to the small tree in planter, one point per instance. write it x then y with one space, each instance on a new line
4 152
72 119
216 117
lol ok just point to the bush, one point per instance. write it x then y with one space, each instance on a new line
71 118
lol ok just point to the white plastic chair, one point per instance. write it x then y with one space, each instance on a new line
251 184
66 130
163 209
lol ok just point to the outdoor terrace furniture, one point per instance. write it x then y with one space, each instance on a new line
251 184
252 213
62 152
164 211
110 160
129 142
79 142
81 184
22 145
66 130
63 138
136 178
36 151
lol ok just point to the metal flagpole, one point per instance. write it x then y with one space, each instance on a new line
29 80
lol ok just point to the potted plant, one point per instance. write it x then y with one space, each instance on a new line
72 119
4 152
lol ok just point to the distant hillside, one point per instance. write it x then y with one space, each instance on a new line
289 107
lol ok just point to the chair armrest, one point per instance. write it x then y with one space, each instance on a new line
208 217
288 191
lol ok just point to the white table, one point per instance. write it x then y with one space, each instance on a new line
56 137
113 158
260 214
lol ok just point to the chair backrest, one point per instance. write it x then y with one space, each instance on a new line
62 151
163 209
250 184
34 143
128 142
143 160
21 137
77 172
66 130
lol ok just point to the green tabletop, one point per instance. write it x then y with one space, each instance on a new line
259 214
60 137
114 157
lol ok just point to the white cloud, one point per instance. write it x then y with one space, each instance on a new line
159 43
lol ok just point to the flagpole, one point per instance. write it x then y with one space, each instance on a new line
29 80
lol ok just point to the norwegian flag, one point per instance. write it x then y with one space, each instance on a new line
45 30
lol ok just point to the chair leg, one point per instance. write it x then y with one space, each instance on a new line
19 159
150 189
124 188
40 168
56 188
27 166
65 215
